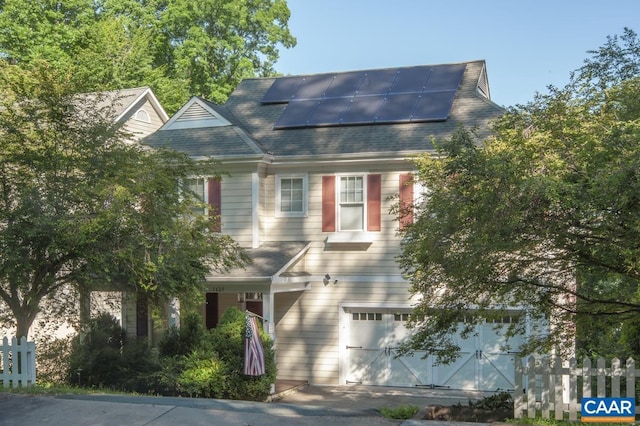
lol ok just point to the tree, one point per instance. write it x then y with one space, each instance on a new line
81 207
543 217
177 47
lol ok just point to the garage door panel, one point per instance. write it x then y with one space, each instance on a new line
368 367
418 370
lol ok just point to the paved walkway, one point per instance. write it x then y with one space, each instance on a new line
309 406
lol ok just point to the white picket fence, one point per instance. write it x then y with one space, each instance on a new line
547 386
17 363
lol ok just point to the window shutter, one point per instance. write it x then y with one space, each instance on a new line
406 200
328 204
374 205
215 203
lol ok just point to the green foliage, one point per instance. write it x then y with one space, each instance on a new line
82 206
103 358
402 412
178 48
181 341
52 360
544 215
211 362
500 401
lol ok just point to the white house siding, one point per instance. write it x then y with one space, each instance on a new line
237 209
308 323
139 128
308 326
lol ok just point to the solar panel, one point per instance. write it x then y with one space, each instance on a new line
397 108
328 112
445 77
296 114
402 95
411 80
362 109
377 82
433 106
282 90
314 86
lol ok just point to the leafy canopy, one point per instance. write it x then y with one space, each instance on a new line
542 218
81 206
177 47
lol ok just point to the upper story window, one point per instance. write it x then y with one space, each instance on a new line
291 195
198 187
351 206
143 115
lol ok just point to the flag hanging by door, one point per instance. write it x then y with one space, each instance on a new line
253 350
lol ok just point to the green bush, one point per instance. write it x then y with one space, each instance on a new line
228 341
104 359
402 412
184 340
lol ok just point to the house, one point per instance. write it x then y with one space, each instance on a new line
138 111
313 164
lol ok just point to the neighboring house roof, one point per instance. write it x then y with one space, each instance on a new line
249 128
269 260
124 101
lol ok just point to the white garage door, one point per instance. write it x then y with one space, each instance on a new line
374 334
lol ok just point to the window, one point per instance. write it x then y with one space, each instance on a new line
197 187
143 116
291 195
351 203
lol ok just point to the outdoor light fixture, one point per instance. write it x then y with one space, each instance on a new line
327 279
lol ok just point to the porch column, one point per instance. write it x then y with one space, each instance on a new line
268 314
174 312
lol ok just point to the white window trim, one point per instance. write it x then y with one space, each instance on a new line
305 195
365 203
142 115
205 190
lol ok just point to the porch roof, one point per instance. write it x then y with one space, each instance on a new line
269 260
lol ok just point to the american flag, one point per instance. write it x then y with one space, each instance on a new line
253 350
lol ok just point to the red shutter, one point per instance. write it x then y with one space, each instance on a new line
215 203
406 200
374 205
328 204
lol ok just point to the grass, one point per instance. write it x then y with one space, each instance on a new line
401 412
56 389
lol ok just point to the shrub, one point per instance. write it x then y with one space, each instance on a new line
402 412
104 359
52 359
227 340
184 340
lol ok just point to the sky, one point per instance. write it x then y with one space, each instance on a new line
527 45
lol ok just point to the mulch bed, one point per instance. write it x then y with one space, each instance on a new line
462 413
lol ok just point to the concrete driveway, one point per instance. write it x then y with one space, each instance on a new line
310 406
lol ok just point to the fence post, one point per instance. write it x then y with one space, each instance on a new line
631 378
518 393
531 387
573 389
615 377
601 380
557 388
586 378
6 366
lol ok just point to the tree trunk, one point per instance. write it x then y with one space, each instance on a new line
24 320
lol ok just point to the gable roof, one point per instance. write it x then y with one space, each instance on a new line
251 129
123 101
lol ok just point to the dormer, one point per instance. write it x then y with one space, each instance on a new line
196 113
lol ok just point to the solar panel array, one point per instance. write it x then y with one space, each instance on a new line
402 95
